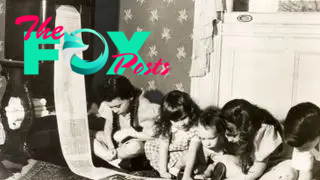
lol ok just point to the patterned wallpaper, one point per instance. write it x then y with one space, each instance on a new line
171 24
2 22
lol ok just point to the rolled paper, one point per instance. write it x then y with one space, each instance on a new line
40 108
41 113
43 101
39 102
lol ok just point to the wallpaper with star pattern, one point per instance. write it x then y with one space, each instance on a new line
170 23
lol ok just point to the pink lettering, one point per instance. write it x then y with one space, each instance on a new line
22 19
128 64
136 69
149 64
46 31
55 31
156 65
140 66
166 68
40 31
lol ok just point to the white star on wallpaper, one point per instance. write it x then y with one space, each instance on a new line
181 53
128 15
163 69
179 86
154 15
182 16
166 34
1 46
141 2
151 85
168 2
139 29
153 51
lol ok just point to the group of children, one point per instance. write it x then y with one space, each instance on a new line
180 140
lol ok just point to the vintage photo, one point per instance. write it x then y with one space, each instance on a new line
159 89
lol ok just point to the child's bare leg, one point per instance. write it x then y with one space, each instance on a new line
209 170
232 164
101 150
198 159
99 136
282 171
130 149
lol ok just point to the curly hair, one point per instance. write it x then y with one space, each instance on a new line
211 117
248 119
175 106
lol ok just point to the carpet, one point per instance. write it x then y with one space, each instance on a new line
39 170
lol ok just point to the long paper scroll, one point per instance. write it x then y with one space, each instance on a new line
71 108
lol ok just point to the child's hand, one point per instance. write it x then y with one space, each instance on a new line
94 108
123 134
131 132
120 136
165 175
111 155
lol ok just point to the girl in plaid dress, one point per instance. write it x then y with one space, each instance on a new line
175 129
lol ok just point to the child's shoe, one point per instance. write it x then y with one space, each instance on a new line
219 172
179 175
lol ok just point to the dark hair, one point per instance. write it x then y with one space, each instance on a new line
117 86
248 119
302 124
174 106
211 117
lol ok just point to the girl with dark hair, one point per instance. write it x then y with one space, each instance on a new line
302 132
254 136
174 131
129 118
209 144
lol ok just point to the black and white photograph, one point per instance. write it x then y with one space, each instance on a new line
159 89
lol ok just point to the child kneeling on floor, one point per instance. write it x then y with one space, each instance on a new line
206 147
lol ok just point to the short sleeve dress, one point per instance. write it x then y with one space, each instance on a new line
179 142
